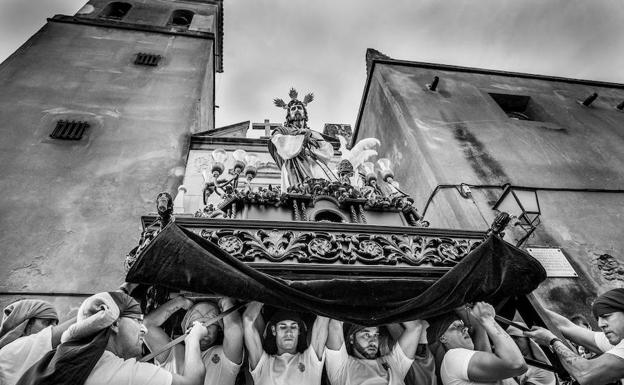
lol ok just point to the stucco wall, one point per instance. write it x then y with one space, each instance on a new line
460 135
71 210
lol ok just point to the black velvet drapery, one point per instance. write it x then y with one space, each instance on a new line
177 258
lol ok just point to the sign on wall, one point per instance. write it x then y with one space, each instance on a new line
554 261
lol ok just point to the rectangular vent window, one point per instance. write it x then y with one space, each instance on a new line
147 59
520 107
67 130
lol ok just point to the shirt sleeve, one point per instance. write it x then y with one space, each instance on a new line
148 374
336 363
455 364
255 373
398 360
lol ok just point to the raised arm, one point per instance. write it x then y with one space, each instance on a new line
58 330
232 332
156 336
335 336
604 369
408 341
194 370
575 333
478 333
253 342
319 335
505 362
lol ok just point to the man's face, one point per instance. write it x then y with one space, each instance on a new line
38 324
457 336
612 324
162 203
366 343
286 334
202 313
130 337
296 112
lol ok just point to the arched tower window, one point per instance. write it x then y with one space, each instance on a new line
116 10
181 18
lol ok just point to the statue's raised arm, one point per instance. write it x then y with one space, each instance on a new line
300 153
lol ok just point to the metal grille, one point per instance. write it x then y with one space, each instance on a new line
147 59
67 130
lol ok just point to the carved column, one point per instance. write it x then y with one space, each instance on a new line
362 216
304 212
354 216
234 211
296 210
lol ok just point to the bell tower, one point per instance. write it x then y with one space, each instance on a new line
95 115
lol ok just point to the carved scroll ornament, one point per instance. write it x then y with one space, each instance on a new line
333 248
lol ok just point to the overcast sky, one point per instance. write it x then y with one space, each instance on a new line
319 46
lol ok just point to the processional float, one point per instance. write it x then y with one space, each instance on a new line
344 242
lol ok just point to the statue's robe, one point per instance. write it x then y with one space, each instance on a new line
298 158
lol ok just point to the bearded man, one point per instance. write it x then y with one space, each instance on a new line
298 151
287 361
102 346
363 363
606 368
222 361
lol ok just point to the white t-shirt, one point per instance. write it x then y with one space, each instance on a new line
113 370
21 354
343 369
219 369
605 346
537 376
289 369
454 368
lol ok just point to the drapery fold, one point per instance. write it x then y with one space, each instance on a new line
180 259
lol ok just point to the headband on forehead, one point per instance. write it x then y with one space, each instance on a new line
439 325
609 302
211 312
284 315
99 312
15 318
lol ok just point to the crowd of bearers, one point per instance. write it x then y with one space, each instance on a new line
102 345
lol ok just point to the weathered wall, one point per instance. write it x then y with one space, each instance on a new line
71 210
460 135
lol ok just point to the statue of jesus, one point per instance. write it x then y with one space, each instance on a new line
300 153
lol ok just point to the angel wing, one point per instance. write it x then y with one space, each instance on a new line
363 150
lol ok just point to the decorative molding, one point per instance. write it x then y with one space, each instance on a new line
322 247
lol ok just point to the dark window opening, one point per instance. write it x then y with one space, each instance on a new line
520 107
116 10
328 216
181 18
147 59
66 130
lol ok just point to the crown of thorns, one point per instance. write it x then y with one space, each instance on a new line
293 96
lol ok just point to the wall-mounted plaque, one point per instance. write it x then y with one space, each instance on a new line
554 261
